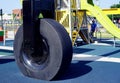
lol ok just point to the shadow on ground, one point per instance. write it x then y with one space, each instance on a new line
3 61
76 69
81 50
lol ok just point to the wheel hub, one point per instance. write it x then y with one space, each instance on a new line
37 59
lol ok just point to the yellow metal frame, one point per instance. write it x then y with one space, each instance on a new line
63 16
109 11
71 17
112 11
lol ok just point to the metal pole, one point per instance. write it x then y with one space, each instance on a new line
114 42
3 28
70 26
4 34
86 25
1 18
100 36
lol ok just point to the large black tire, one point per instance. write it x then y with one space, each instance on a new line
55 62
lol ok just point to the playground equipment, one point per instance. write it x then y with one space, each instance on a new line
42 46
73 19
101 17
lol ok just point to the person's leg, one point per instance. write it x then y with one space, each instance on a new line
92 34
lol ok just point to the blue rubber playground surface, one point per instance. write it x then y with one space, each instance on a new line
6 49
92 63
7 43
